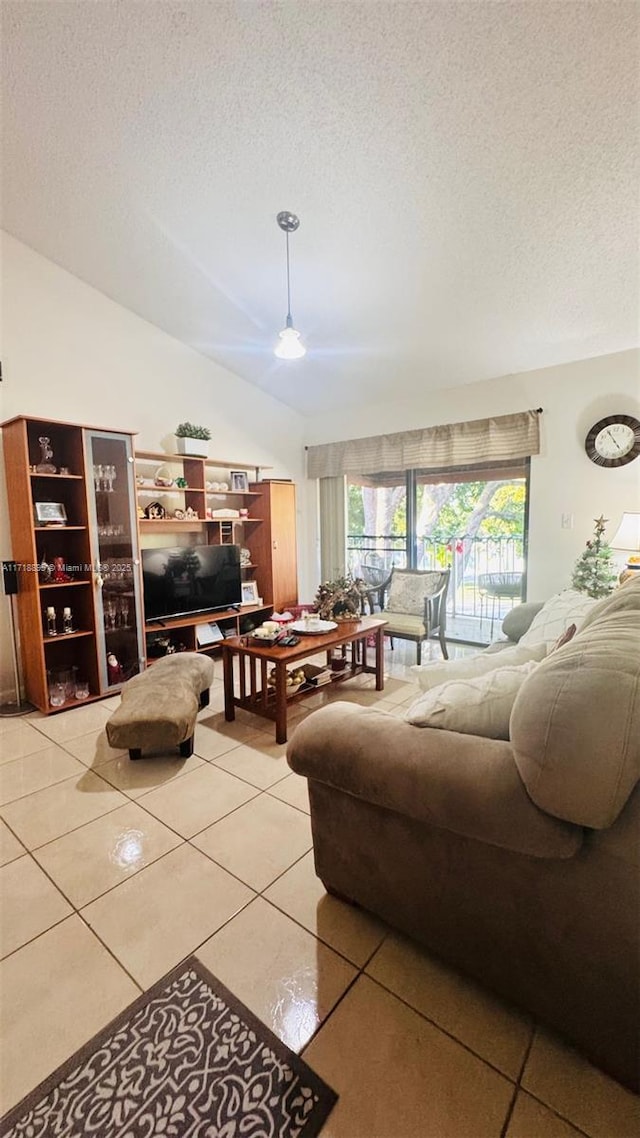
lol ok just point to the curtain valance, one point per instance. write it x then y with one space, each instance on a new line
497 439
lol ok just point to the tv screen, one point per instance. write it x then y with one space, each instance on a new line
181 581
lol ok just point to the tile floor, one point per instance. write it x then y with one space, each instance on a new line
112 872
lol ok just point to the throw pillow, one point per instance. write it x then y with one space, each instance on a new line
556 615
479 706
429 676
408 590
518 619
565 638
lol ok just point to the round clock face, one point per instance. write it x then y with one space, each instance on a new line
614 441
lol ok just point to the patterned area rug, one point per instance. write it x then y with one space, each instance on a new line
186 1060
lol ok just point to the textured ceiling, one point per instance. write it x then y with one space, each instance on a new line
465 175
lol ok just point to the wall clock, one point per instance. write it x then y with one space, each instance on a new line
614 441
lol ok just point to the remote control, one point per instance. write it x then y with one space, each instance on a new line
289 641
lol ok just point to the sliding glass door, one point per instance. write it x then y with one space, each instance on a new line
471 520
376 527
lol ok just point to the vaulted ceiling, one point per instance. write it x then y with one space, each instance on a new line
465 175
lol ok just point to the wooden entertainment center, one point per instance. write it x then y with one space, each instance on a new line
76 494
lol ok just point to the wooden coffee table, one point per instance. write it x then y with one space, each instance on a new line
271 702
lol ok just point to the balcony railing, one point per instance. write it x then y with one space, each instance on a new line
487 574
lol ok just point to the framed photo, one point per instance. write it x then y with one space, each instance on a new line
50 513
239 481
250 593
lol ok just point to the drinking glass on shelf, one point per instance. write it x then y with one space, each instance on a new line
109 614
56 695
110 475
97 476
67 680
82 689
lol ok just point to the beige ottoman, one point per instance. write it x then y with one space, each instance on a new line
159 707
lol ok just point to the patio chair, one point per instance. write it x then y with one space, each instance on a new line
497 586
415 606
376 576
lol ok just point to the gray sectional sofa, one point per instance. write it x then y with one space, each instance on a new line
516 860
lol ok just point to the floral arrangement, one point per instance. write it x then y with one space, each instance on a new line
190 431
341 599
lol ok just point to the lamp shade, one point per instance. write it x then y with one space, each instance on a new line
289 346
627 535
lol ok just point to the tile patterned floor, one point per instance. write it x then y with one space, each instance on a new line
112 872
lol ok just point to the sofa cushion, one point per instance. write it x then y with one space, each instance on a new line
477 706
409 588
429 676
575 724
454 782
624 599
404 624
555 616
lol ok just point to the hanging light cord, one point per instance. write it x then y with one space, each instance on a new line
289 320
289 346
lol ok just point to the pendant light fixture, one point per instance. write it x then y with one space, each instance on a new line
289 346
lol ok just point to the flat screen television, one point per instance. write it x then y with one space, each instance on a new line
199 578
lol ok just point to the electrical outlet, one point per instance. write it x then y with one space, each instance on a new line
566 521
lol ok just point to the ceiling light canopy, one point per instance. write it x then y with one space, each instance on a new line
289 346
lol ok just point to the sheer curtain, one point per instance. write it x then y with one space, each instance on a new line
333 527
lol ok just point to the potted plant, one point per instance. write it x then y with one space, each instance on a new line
192 440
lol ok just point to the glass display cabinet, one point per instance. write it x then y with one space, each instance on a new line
74 541
116 558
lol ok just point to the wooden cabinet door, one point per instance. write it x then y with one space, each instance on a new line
283 544
272 543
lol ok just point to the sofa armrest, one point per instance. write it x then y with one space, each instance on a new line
463 783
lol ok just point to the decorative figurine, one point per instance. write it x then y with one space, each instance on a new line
114 669
45 466
181 483
192 515
59 576
155 511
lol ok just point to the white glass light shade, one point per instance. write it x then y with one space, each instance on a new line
627 535
289 346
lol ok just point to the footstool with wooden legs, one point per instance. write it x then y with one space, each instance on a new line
158 708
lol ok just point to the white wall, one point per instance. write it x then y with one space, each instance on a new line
70 353
563 480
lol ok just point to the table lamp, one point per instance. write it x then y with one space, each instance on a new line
627 540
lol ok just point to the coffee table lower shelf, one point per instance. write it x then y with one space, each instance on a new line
259 696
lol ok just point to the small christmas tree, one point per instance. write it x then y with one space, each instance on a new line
594 573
